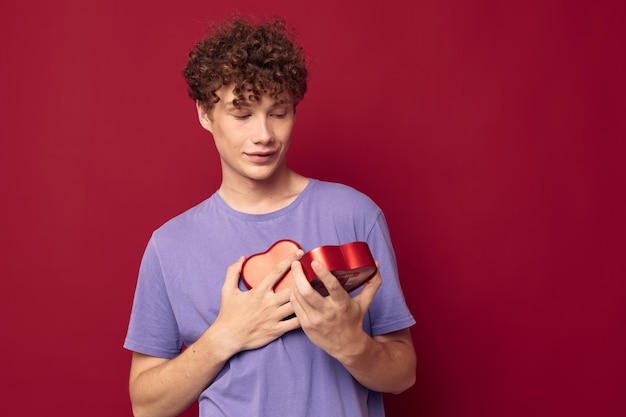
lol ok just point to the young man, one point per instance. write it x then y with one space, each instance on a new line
247 353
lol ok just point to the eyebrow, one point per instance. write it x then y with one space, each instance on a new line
242 103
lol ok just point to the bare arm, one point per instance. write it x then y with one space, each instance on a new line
384 363
166 387
247 320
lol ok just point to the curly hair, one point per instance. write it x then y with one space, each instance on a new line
256 59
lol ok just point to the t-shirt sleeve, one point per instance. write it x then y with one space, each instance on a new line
389 311
153 329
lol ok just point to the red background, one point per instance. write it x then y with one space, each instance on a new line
491 133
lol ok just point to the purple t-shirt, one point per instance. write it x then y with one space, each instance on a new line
179 288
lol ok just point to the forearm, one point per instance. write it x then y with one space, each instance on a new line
384 363
334 323
169 387
247 320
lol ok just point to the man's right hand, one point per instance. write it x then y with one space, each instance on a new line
247 320
251 319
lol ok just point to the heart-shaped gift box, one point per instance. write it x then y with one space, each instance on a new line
351 263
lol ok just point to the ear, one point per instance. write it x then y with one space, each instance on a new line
203 117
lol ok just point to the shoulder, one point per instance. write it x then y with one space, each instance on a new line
343 204
187 221
341 193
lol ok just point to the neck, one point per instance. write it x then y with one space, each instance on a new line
259 197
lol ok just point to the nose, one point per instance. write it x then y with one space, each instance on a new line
263 133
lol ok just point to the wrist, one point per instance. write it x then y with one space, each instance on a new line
349 354
217 342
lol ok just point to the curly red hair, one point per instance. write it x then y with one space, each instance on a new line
256 59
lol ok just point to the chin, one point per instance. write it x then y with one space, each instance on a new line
261 176
264 174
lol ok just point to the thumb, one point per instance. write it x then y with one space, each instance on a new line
231 281
370 288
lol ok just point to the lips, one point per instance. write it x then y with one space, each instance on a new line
260 157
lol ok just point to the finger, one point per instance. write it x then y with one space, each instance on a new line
303 294
296 303
304 287
300 282
279 270
231 281
285 310
328 279
288 324
282 297
370 288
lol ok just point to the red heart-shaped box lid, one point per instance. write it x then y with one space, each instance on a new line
351 263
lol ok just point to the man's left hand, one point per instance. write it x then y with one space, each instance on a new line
335 322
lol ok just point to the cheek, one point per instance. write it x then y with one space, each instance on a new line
222 143
284 131
224 140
